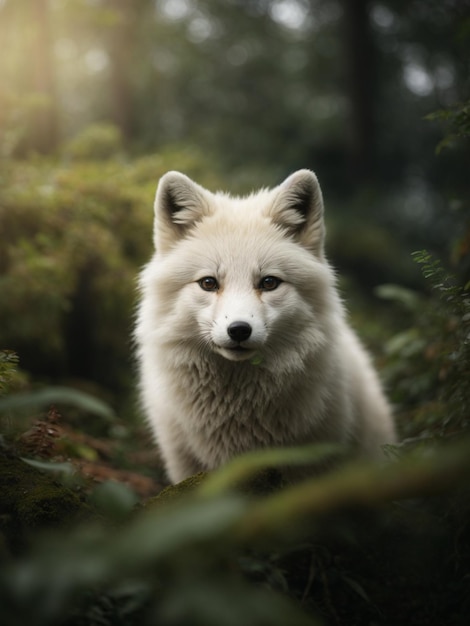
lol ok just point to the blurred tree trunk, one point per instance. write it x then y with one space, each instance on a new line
360 62
44 128
121 53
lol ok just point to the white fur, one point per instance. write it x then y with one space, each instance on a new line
303 375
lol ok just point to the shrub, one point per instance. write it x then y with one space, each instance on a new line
75 235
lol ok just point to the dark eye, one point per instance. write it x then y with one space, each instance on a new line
208 283
269 283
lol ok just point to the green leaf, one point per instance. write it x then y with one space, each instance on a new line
244 467
162 530
113 499
64 472
406 297
56 395
406 344
234 605
66 469
357 588
357 484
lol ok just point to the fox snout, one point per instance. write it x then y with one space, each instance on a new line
239 331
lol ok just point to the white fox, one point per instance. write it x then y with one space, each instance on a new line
242 338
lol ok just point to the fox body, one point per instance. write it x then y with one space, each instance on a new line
241 335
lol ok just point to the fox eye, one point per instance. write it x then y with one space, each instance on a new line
269 283
208 283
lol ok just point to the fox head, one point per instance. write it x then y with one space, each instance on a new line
241 277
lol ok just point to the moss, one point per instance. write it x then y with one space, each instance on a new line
261 483
30 499
173 492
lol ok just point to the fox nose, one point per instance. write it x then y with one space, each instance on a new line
239 331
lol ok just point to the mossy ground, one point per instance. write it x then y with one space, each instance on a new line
31 500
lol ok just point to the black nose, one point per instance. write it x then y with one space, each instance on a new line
239 331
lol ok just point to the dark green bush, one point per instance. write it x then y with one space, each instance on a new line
74 235
9 376
429 363
96 143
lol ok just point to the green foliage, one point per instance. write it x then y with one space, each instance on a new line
74 235
457 121
206 72
31 500
240 469
8 370
428 363
454 359
326 548
55 395
96 143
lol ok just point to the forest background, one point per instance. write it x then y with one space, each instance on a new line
99 98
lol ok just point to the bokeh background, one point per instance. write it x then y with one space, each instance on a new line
98 98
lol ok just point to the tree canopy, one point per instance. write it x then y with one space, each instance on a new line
341 85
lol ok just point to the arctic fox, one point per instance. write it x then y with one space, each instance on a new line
241 334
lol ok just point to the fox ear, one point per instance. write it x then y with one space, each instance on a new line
179 204
298 207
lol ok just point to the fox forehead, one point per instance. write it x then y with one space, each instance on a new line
238 251
235 228
241 208
236 236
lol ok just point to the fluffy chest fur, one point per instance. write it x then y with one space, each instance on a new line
224 409
229 410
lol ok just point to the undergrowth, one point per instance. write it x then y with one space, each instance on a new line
368 543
